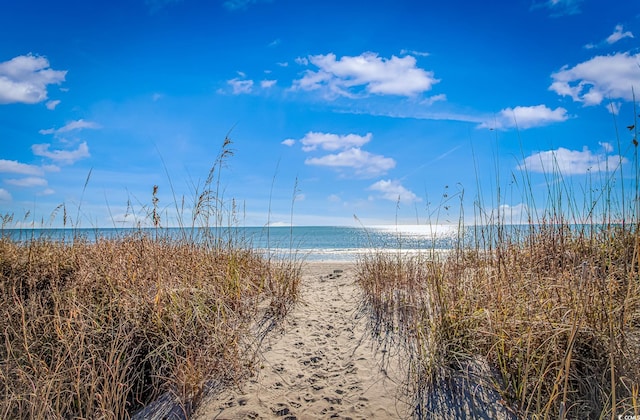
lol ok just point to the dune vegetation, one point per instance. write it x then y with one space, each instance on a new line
101 328
536 319
539 319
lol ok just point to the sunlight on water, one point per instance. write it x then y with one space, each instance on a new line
308 242
418 230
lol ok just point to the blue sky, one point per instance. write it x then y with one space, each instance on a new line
393 111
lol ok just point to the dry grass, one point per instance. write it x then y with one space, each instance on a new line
102 328
556 313
97 330
532 320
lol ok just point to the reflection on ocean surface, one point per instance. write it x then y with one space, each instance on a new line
311 242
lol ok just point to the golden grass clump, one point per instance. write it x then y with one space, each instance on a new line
553 310
100 329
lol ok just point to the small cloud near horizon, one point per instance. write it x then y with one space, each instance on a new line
524 117
27 182
518 213
5 196
67 157
606 146
614 108
393 190
572 162
15 167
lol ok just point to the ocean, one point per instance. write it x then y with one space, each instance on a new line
317 243
311 243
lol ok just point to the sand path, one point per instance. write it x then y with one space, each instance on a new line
322 363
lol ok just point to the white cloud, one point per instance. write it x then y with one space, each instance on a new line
275 43
617 35
607 147
47 191
266 84
515 214
351 155
283 64
24 79
559 7
72 126
614 107
571 162
414 52
302 61
590 82
51 105
62 156
394 191
240 86
334 198
525 117
31 181
348 76
327 141
4 195
433 99
313 81
413 113
364 163
15 167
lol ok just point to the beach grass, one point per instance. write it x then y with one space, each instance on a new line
101 328
539 319
557 318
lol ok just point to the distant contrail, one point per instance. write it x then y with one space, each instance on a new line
442 156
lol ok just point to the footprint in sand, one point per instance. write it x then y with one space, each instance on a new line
321 365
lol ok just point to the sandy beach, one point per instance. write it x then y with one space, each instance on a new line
321 363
